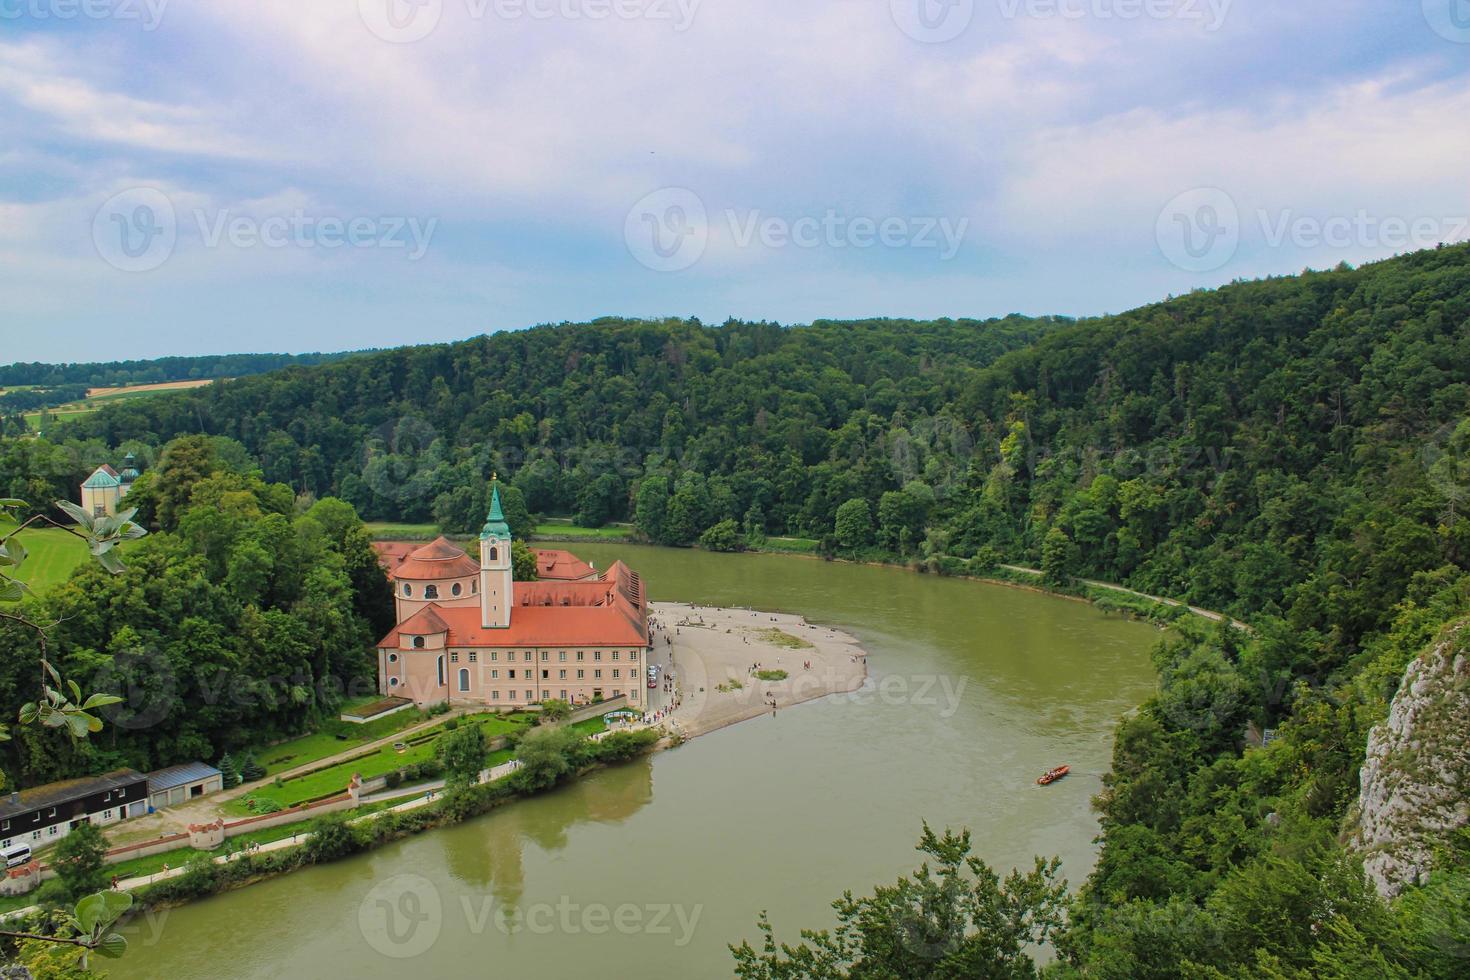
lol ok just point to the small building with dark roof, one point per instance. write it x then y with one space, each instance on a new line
179 784
43 815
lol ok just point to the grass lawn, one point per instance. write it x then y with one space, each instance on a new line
799 546
319 745
385 760
555 528
390 531
51 556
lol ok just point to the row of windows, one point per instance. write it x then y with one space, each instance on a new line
546 674
432 591
418 644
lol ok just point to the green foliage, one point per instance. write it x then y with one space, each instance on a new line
229 771
547 754
954 919
330 837
853 524
79 860
555 710
462 753
724 536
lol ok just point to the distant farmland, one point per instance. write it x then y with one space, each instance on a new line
97 397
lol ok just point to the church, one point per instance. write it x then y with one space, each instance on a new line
468 633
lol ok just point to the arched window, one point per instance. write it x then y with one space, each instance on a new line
441 670
474 586
407 589
494 554
464 679
418 642
456 589
431 592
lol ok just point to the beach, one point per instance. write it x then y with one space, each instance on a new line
715 654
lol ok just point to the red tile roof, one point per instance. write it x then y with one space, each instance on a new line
555 565
439 559
608 612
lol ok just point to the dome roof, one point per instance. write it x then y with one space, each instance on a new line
439 559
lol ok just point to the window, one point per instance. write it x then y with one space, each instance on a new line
632 654
407 589
597 655
393 658
561 674
431 592
563 697
440 664
562 656
494 656
511 673
35 835
418 642
495 674
546 675
494 554
527 656
597 673
580 673
530 696
580 656
454 657
457 589
617 673
494 695
474 656
615 654
474 586
107 814
545 656
392 682
51 830
464 679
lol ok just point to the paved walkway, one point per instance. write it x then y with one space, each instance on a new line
1114 587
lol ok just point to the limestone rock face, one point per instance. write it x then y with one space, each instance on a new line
1416 778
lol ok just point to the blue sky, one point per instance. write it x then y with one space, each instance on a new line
204 176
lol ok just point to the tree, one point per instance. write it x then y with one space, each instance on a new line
853 526
80 861
554 710
956 919
229 771
1058 556
651 509
547 754
724 536
462 754
523 561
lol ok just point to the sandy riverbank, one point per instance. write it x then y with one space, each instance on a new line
713 650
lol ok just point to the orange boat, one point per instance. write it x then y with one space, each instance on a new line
1052 775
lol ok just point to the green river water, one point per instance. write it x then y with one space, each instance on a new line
650 869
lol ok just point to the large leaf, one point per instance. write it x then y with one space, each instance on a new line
77 514
112 946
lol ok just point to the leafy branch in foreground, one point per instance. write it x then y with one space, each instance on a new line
92 921
957 919
62 704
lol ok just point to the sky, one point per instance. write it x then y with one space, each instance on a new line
212 176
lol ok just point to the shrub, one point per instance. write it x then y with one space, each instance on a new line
250 770
394 779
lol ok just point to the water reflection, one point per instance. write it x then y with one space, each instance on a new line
488 854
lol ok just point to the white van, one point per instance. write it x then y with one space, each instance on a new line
16 855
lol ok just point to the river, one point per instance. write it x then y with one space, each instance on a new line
650 869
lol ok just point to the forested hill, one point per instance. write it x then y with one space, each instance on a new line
106 374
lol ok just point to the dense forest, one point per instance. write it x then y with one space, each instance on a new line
1289 450
244 615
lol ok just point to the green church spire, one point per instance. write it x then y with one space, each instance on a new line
495 526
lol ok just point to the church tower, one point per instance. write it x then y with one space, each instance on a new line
497 589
